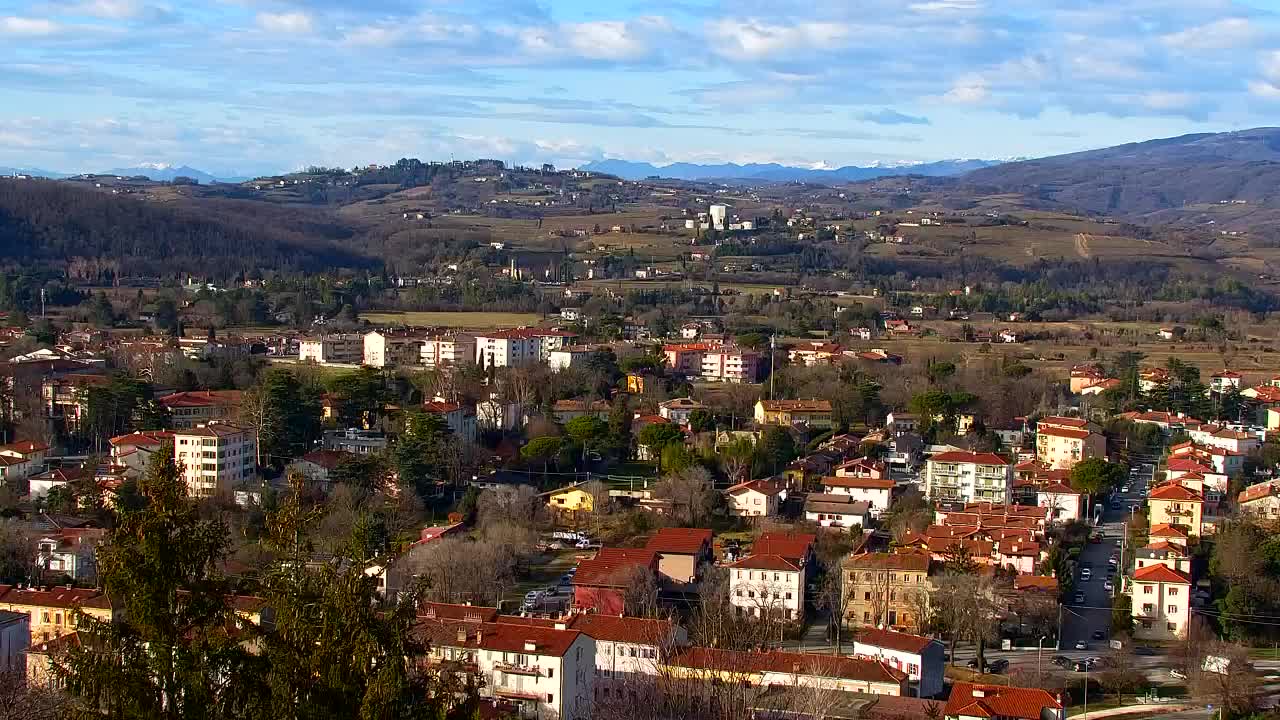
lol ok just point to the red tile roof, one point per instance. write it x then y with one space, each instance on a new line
1258 491
500 637
1070 422
766 487
1182 464
639 631
887 561
1173 491
774 661
146 437
963 456
679 541
859 483
55 597
1166 530
611 566
999 701
793 546
891 640
1160 573
24 447
456 612
767 562
327 459
1063 432
202 398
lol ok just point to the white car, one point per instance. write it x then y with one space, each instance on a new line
1107 586
1085 574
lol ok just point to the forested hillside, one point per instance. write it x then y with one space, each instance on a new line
96 233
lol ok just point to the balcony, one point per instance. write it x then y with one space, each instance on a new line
512 669
516 693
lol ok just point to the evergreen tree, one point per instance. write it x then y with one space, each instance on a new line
420 454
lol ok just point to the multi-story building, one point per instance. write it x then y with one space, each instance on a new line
778 669
448 350
21 459
685 358
876 492
215 457
1225 381
189 409
546 672
390 349
52 611
346 348
816 414
1161 603
1062 447
15 638
1176 505
969 477
461 419
730 365
72 552
767 586
1261 499
886 590
627 647
519 346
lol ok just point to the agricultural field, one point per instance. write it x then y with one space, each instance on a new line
453 319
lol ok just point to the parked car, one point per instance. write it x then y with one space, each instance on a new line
1062 661
582 544
1082 645
1099 635
998 665
1108 586
1177 674
1085 574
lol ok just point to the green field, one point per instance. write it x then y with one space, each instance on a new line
454 319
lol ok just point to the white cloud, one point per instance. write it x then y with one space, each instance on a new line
110 9
289 23
937 6
1264 89
605 40
373 36
13 25
1223 34
757 40
1166 101
968 90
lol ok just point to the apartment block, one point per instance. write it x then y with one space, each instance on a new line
347 348
961 476
216 457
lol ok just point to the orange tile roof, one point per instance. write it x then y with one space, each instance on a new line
1069 433
887 561
902 642
1166 530
793 546
766 562
999 701
638 631
679 541
1035 582
963 456
1071 422
610 566
1258 491
25 447
1161 573
1170 491
775 661
860 483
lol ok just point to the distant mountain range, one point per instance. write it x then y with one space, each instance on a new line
156 171
774 172
1150 179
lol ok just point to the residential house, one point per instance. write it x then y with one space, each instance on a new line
569 501
134 450
766 585
899 423
447 351
980 701
1219 436
838 511
1064 503
1062 447
21 459
755 498
356 441
1176 505
197 407
1161 603
814 414
519 346
921 658
682 552
729 364
678 410
215 458
461 419
566 410
775 668
685 358
41 484
965 476
886 590
1261 499
1225 381
546 672
627 647
876 492
52 610
601 582
811 354
343 348
72 552
317 465
1172 555
385 348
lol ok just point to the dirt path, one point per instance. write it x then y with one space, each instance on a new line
1082 246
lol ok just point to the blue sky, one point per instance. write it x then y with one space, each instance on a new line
251 86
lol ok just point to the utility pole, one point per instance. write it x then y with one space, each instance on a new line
773 343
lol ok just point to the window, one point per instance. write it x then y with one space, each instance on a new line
551 673
866 596
1173 627
551 699
788 596
1146 624
1172 609
1146 589
866 617
1173 591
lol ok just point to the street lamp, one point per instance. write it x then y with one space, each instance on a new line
1039 655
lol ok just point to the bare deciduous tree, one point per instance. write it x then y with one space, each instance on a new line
691 494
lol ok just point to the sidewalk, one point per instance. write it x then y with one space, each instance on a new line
1135 710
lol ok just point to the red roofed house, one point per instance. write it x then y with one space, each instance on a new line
772 580
1176 505
681 554
627 646
1261 499
198 407
21 459
42 483
1225 381
601 582
921 658
317 464
52 611
788 669
1161 603
966 476
876 492
1064 504
1066 442
134 450
755 498
460 419
974 701
546 672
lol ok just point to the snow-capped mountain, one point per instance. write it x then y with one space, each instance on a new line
774 172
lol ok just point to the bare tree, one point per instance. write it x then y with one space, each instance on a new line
1121 674
1225 674
31 697
518 504
691 494
965 609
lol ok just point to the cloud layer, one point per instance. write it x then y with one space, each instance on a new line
275 84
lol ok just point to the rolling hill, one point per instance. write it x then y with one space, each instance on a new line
774 172
1169 180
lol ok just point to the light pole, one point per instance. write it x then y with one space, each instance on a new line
1086 686
1039 655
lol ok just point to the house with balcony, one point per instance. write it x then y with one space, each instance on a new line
1176 505
1161 603
814 414
963 476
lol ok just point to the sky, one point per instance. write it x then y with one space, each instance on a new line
256 86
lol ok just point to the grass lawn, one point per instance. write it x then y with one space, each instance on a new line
454 319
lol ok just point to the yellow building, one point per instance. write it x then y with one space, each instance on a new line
814 413
53 611
1062 447
1177 506
964 422
571 500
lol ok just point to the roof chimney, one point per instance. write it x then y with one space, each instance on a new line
462 636
979 692
562 625
530 646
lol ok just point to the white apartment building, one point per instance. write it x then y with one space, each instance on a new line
346 348
730 365
968 477
921 658
768 585
627 646
448 350
215 458
1161 603
548 672
568 356
876 492
385 349
518 347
